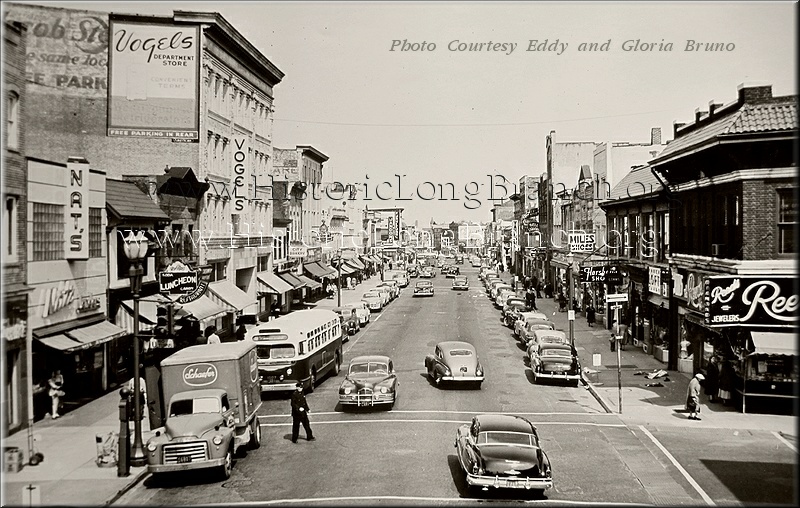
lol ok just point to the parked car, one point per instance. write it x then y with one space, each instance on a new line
503 451
545 336
555 361
454 361
423 288
461 283
524 317
374 300
385 293
370 381
391 287
496 288
402 280
349 319
502 296
514 306
526 332
362 311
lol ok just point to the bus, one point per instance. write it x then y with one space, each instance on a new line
302 347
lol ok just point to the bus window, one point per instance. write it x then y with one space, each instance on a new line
276 352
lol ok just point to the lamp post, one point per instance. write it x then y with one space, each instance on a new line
136 250
571 312
338 261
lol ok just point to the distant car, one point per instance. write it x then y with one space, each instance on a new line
513 308
503 451
385 293
427 273
454 361
524 317
502 296
555 361
362 311
545 336
461 283
412 271
459 260
476 263
370 381
374 300
531 325
349 319
453 271
402 280
423 288
390 286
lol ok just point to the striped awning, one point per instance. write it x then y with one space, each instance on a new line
347 269
203 308
272 284
148 308
84 337
355 263
330 270
225 294
310 283
291 279
316 270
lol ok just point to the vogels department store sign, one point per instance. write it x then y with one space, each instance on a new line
750 301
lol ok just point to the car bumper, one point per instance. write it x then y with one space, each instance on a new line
279 387
462 378
509 482
374 400
168 468
558 375
461 288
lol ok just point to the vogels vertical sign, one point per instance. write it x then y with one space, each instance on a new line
154 85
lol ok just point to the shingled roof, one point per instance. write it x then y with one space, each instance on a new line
126 200
639 183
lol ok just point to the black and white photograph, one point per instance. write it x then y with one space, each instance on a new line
399 253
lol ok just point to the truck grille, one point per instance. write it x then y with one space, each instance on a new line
185 452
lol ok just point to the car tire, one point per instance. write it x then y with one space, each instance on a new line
535 377
227 466
255 435
312 382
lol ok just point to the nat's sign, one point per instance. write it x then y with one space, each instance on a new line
752 301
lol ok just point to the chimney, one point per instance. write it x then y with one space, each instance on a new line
754 92
675 126
712 107
655 136
699 115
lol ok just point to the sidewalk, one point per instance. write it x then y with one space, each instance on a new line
69 475
648 405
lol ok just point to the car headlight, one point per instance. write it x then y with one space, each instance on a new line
384 389
151 447
347 390
289 371
217 440
280 378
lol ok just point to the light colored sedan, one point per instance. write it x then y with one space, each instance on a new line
374 300
519 324
362 311
454 361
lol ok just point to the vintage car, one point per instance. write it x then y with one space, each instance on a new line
445 269
370 381
453 271
401 279
503 451
427 273
459 259
555 361
385 293
502 296
513 308
349 319
461 283
475 262
374 300
547 336
423 288
524 317
454 361
391 287
526 332
412 271
362 311
497 287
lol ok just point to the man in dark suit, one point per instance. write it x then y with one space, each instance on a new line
300 414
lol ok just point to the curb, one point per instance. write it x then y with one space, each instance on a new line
596 395
121 492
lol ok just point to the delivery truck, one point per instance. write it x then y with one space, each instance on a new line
212 396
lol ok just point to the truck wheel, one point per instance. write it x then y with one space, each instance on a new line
312 382
225 469
337 363
255 435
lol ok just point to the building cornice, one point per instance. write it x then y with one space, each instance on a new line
736 176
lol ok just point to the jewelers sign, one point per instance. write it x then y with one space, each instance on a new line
154 81
751 301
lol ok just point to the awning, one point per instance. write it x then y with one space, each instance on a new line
85 337
658 300
355 263
377 260
774 343
148 308
347 269
311 283
203 308
292 280
224 293
271 283
331 272
315 270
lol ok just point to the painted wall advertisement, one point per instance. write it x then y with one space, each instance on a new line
154 84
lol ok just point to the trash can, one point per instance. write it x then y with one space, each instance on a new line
106 449
12 459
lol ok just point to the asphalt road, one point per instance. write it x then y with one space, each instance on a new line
406 455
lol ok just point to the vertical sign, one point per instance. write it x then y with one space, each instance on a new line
514 238
76 211
154 84
240 171
654 280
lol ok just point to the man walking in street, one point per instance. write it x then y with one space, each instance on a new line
300 414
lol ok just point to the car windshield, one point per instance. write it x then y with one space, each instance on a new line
505 438
371 295
551 339
556 352
194 406
369 368
461 280
424 284
460 352
516 304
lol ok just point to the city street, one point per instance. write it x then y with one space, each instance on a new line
407 453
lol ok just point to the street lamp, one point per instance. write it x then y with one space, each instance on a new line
338 261
136 250
571 312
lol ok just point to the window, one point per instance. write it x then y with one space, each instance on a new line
95 232
12 121
218 269
263 263
48 232
787 221
10 230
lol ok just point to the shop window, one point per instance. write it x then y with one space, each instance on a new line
787 221
10 230
48 232
95 232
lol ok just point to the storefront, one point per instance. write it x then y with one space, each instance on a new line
274 295
16 381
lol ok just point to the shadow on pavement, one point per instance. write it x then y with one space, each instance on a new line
749 488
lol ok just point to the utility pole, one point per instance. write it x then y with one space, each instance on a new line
549 238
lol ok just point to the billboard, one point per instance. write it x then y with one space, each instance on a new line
154 85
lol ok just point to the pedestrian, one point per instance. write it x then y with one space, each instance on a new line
300 414
241 330
56 384
527 282
590 314
612 341
142 394
712 379
622 331
562 302
538 286
726 375
533 298
211 335
575 304
693 396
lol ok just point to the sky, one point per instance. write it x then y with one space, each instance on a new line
361 87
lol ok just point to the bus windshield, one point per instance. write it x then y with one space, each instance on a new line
276 352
